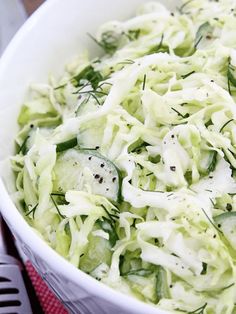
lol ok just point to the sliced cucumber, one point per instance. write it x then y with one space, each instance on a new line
98 251
162 289
227 224
75 169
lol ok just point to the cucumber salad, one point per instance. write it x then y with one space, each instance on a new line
126 164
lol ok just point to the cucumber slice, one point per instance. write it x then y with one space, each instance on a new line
227 224
77 168
97 252
162 288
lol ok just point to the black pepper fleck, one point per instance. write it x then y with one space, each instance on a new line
229 207
102 165
100 180
31 126
114 179
90 158
172 168
96 176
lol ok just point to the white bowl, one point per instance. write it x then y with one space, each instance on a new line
54 34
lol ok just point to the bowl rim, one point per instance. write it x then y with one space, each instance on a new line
32 239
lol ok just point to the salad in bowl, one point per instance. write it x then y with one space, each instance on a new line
125 165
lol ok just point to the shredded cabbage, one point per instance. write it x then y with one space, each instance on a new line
160 106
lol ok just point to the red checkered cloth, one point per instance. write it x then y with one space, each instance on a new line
49 302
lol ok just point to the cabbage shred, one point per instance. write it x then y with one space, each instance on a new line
159 105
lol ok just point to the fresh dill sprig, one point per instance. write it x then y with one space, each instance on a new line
222 128
213 162
187 75
181 9
133 34
229 286
211 200
32 211
112 217
211 222
55 204
109 42
180 114
200 310
88 74
159 48
58 194
22 148
144 81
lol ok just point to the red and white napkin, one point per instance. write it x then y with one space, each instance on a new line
48 301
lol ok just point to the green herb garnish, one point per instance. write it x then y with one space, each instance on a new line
187 75
144 82
23 147
32 211
200 310
109 41
213 162
112 217
180 114
211 222
133 34
55 204
222 128
67 145
89 74
229 286
181 9
204 268
159 48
